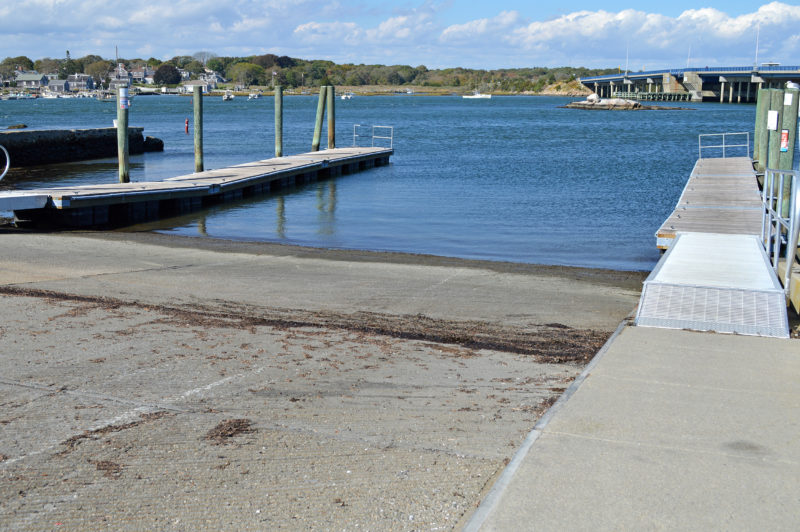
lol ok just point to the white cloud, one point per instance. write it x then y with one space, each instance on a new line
373 31
329 32
481 28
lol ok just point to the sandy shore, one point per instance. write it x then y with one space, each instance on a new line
151 381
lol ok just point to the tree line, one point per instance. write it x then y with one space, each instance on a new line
268 69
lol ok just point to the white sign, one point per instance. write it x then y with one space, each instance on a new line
772 120
787 98
124 102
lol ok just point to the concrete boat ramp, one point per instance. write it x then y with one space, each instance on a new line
128 203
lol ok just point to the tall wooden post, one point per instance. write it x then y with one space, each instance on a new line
123 103
761 135
197 97
331 117
318 121
774 144
278 121
789 126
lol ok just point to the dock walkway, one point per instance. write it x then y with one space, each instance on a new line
125 203
721 196
716 275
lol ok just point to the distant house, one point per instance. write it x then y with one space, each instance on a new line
212 78
120 77
188 86
58 85
80 82
143 74
31 81
185 74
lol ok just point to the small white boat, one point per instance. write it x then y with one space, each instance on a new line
477 96
228 96
254 96
347 96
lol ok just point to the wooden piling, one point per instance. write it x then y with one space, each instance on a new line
318 121
761 133
122 135
278 121
789 125
331 117
197 97
774 143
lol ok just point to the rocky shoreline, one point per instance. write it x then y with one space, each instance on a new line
618 104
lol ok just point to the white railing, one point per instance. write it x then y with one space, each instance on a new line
781 221
370 134
8 161
728 142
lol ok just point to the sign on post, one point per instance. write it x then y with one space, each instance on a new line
124 101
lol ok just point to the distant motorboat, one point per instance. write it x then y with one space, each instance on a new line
477 96
347 96
254 96
228 96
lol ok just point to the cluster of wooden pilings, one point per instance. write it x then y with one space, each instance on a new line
776 129
327 100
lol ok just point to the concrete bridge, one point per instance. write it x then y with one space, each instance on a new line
723 84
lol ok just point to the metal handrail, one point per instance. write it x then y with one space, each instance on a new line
780 223
373 134
725 145
8 162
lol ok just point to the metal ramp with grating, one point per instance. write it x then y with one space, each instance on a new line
715 282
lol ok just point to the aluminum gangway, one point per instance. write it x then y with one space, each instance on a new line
717 274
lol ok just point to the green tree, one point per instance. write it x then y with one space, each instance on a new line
98 70
246 74
167 74
195 67
46 65
69 67
265 61
181 61
10 64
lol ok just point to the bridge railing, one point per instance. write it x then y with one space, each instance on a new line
780 225
724 145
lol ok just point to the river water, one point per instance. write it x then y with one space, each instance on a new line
508 179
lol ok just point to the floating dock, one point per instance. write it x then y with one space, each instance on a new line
119 204
716 275
721 196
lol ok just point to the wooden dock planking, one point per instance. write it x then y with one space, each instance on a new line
89 204
721 196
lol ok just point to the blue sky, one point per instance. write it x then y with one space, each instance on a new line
436 33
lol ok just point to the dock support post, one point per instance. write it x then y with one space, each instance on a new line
197 100
789 124
318 122
278 121
721 91
774 143
331 117
123 103
761 135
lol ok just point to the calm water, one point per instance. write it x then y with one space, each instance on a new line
508 179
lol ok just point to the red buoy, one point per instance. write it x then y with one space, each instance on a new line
187 126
